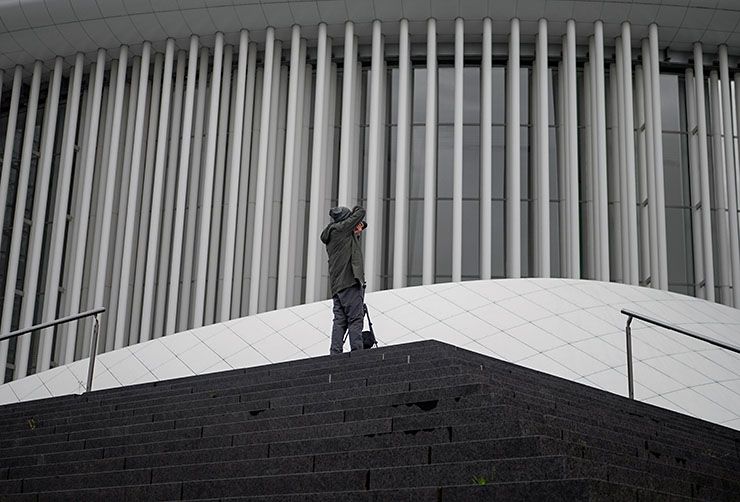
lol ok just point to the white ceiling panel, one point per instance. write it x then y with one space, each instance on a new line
360 10
76 36
100 33
474 9
713 37
13 16
670 15
703 3
225 18
137 6
697 18
124 29
8 43
687 36
36 13
388 10
305 12
111 8
251 16
52 38
199 21
173 23
86 9
332 11
725 20
502 9
60 11
221 3
641 13
536 9
415 10
149 27
445 9
29 40
164 5
559 10
278 14
191 4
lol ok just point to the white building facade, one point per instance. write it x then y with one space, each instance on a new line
174 162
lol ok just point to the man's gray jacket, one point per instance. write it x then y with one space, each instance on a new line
345 254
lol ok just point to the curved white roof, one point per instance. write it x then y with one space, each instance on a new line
569 328
43 29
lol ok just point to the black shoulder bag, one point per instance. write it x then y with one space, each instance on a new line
368 337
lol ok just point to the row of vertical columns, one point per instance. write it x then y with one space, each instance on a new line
703 166
43 177
730 178
291 166
20 210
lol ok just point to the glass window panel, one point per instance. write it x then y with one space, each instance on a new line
680 258
669 102
471 239
416 238
443 257
416 177
471 95
497 239
446 95
498 161
445 151
419 108
498 95
471 162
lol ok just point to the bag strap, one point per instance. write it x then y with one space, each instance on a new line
370 323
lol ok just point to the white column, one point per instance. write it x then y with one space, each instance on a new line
316 216
149 285
261 196
107 192
430 147
720 193
75 285
695 184
350 55
643 176
613 171
33 260
213 298
290 171
650 166
622 133
658 152
173 295
457 160
192 211
400 227
244 192
375 157
730 181
513 234
18 225
592 171
159 305
64 179
135 292
234 175
278 97
572 137
601 172
706 214
201 257
120 215
629 139
543 153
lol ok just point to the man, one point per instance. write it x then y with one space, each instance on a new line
346 274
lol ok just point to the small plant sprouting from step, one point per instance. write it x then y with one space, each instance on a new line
480 480
32 423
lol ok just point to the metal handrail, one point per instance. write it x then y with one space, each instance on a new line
50 324
628 333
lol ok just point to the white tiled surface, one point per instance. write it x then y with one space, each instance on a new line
572 329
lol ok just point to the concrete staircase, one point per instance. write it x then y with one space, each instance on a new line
413 422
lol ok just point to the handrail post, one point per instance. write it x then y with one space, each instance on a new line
93 353
628 333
